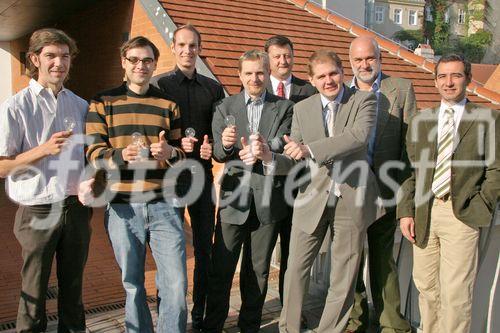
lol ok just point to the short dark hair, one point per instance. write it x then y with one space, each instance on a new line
139 41
278 40
322 56
43 37
452 58
189 27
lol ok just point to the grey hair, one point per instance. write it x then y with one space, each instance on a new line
254 55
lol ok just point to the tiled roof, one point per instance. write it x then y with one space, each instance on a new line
482 72
493 82
230 27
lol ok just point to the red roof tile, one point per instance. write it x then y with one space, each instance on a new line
482 72
230 27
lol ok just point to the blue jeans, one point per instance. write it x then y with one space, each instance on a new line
130 227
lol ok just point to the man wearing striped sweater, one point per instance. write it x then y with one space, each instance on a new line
135 129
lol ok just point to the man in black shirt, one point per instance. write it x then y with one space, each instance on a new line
195 94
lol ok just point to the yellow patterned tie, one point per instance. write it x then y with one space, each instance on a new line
442 174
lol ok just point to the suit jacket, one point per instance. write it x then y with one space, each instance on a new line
265 191
396 104
475 170
347 148
299 90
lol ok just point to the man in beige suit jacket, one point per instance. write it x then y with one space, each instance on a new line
452 191
329 133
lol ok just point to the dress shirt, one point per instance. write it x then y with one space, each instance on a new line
254 110
287 83
27 120
373 134
458 111
324 103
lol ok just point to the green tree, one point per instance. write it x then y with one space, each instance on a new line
410 37
474 46
438 31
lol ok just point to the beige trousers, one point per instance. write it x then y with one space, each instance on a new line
444 272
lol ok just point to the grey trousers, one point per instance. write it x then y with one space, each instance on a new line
346 251
60 230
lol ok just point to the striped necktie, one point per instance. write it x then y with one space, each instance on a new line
442 174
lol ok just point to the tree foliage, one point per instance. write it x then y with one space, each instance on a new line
411 38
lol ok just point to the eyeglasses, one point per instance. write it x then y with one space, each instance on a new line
145 61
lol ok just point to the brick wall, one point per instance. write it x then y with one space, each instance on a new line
142 26
19 78
99 31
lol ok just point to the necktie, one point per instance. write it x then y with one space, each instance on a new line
442 174
330 117
281 89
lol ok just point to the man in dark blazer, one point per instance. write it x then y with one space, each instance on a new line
330 132
452 190
284 84
251 204
395 104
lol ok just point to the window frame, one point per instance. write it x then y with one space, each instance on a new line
415 16
379 10
400 10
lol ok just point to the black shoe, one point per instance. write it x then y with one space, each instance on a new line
197 324
303 322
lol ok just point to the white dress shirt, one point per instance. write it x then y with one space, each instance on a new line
29 119
287 83
458 111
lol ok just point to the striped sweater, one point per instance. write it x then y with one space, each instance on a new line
112 118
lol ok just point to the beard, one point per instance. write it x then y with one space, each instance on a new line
367 77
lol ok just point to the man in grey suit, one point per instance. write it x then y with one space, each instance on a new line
251 204
337 189
395 104
284 84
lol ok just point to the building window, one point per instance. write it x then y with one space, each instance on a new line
447 16
428 14
461 16
413 17
379 14
398 13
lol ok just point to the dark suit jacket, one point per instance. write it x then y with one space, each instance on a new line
396 104
347 148
475 170
265 191
299 90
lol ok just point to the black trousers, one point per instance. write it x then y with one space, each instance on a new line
284 232
258 242
61 229
202 214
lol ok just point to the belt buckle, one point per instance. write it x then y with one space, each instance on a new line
444 198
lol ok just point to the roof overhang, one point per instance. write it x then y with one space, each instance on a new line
20 17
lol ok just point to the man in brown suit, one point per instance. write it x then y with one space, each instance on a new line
452 191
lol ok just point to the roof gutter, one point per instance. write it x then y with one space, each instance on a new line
386 44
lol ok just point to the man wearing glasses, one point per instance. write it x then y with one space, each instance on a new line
134 128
